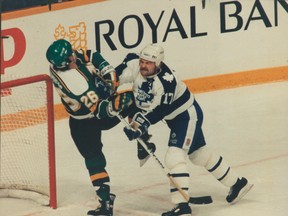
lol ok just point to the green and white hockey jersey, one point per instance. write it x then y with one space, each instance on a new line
83 88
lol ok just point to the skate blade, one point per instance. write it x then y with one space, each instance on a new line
242 193
143 161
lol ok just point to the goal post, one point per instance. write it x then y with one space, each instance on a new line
27 147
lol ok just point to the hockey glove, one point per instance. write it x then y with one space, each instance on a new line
121 101
113 80
104 110
106 70
116 104
139 126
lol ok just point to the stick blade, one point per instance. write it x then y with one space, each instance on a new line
201 200
143 161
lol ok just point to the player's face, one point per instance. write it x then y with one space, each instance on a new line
72 61
147 68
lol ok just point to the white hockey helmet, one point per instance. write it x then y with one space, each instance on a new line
153 53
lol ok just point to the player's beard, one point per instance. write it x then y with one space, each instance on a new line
145 72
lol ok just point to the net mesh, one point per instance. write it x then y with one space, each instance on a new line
24 161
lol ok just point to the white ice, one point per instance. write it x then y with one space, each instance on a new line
248 126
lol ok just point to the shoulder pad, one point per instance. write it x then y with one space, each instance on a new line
131 56
123 65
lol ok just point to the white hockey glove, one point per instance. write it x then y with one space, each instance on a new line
138 126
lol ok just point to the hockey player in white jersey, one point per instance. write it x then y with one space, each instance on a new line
161 96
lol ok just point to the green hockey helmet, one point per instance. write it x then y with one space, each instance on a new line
58 53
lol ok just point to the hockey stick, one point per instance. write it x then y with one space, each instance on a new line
192 200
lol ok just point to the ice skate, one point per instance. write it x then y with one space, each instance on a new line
182 209
105 208
238 190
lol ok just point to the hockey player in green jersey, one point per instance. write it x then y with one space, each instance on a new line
87 85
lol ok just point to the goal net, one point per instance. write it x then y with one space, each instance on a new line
27 152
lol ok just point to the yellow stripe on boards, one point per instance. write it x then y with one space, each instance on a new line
23 119
233 80
197 85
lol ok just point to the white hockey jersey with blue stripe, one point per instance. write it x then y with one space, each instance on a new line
162 96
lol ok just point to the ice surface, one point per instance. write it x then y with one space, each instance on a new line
248 126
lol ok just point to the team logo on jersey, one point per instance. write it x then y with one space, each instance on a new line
173 139
168 77
144 94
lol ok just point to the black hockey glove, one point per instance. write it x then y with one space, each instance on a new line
139 126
